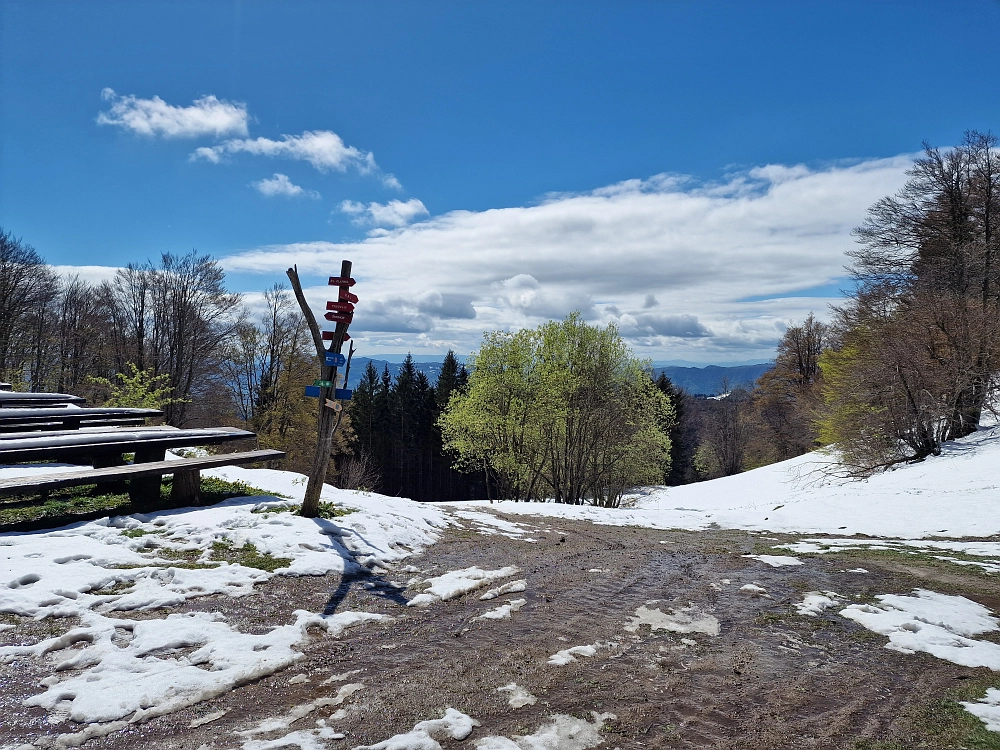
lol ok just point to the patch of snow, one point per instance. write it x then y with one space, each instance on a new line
938 624
519 697
562 732
504 611
986 709
425 735
682 620
814 602
457 583
487 523
754 589
567 655
304 739
514 587
776 561
281 723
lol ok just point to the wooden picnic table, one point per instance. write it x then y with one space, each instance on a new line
54 427
148 443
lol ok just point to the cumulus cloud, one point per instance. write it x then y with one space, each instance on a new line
154 117
392 214
281 185
687 271
323 149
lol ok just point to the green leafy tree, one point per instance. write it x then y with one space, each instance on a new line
140 389
563 411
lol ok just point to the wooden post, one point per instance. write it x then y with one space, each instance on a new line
329 420
186 488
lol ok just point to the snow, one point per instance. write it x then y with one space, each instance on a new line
488 523
137 669
776 561
682 620
504 611
567 655
753 589
457 583
942 496
519 697
938 624
111 670
513 587
814 602
425 734
562 732
987 709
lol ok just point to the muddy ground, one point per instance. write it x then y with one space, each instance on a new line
770 679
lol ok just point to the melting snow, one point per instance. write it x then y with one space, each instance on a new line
567 655
514 587
425 735
504 611
563 732
776 561
457 583
519 697
987 709
938 624
683 620
815 602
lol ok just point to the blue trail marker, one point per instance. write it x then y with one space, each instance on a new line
343 394
312 391
333 359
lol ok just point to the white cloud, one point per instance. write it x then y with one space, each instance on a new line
281 185
323 149
154 117
673 263
392 214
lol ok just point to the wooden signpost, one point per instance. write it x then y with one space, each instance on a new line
327 387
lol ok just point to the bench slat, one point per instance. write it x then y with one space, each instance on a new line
42 482
17 414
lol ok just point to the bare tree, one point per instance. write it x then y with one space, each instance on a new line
26 287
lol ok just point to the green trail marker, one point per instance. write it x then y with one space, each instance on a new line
323 383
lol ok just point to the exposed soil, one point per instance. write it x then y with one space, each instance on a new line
770 679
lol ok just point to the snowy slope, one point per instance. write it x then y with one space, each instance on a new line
955 494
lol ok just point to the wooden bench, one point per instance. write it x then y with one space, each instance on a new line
49 417
186 471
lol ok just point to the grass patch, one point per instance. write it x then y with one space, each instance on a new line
326 510
248 556
945 723
136 533
62 504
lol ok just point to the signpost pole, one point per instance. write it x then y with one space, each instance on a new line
329 420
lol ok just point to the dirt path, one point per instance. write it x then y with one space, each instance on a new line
771 678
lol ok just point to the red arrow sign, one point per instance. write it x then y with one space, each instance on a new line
346 296
339 317
328 336
342 306
341 281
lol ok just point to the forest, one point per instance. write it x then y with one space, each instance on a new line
908 361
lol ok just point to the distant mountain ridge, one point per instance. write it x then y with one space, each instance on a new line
708 380
695 380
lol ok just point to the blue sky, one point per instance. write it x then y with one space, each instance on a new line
689 171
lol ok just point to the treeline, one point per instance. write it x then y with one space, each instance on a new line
397 441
